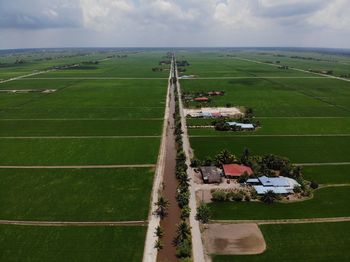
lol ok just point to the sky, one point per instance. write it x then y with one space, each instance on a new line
174 23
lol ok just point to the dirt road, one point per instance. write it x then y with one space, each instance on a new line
197 245
285 221
150 253
77 167
72 223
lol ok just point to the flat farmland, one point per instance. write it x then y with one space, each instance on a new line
79 151
216 64
301 242
339 64
336 174
76 127
75 194
89 99
327 202
300 149
278 97
29 243
105 113
281 126
135 65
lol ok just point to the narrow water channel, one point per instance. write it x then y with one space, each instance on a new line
169 223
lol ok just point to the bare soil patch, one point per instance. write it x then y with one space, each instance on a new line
224 111
233 239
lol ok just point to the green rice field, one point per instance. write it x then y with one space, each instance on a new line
31 243
327 202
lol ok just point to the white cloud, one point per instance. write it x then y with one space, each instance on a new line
187 22
336 16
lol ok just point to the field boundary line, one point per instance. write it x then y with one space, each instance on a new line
248 135
303 117
81 119
324 164
95 78
79 167
25 76
74 137
73 223
294 68
284 221
253 77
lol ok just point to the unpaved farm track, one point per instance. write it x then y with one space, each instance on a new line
73 223
77 167
285 221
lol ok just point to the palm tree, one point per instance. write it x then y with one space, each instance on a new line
158 245
269 197
203 213
162 207
225 157
183 232
159 232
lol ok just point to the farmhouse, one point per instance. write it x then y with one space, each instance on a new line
278 185
211 174
235 170
241 126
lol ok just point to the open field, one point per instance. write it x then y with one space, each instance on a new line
300 149
327 202
282 126
302 242
217 64
135 65
126 99
78 151
328 174
105 113
28 243
75 194
80 128
279 97
338 64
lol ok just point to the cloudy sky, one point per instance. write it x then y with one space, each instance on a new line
157 23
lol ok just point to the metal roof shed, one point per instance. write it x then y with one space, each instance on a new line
211 174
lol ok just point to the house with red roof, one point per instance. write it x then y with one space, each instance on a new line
235 170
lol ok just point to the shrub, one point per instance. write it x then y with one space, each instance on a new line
185 212
269 197
203 213
297 189
218 196
184 249
235 196
195 162
313 185
243 178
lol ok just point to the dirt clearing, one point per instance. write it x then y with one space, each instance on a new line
233 239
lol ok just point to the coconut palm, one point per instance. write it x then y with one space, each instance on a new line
162 207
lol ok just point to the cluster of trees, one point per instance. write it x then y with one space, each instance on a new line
266 165
19 61
224 157
248 118
183 240
90 62
235 195
182 63
157 69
